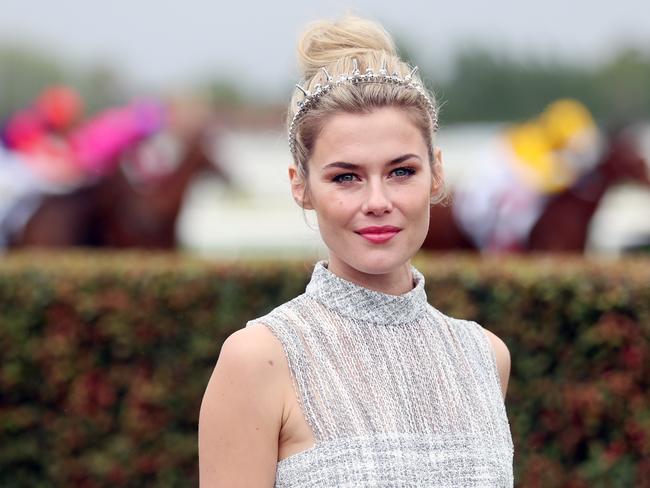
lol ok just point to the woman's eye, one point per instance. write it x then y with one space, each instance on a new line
402 172
344 178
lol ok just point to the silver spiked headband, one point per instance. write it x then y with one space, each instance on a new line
356 77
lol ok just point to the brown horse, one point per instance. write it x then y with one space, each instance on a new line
564 223
114 212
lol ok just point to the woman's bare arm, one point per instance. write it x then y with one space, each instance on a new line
241 413
502 355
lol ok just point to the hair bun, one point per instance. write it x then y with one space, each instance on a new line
324 42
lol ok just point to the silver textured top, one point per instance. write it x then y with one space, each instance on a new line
396 393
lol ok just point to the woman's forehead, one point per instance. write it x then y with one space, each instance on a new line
386 132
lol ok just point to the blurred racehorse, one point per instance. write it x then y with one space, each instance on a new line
564 223
122 210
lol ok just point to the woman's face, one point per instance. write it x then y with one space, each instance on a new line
370 183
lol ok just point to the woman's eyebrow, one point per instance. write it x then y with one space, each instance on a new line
341 164
401 159
351 166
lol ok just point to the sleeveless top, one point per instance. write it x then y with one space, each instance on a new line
396 393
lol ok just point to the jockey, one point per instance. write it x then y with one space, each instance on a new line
499 204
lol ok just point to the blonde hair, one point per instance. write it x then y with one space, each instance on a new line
336 46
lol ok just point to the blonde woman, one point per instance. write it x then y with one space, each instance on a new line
359 381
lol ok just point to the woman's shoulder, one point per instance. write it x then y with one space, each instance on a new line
251 347
251 361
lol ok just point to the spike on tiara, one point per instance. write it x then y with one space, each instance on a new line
305 92
355 68
327 75
412 73
383 71
311 97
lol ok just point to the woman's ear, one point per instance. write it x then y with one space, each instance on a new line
299 188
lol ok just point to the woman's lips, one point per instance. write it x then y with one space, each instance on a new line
378 235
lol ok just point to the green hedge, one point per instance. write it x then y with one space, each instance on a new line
105 357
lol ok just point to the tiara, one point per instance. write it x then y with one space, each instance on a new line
312 97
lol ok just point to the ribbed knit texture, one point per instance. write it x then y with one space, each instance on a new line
396 393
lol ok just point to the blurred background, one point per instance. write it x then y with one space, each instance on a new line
142 124
155 125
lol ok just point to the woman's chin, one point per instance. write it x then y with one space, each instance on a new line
376 263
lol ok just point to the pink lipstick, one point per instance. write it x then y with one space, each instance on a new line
379 235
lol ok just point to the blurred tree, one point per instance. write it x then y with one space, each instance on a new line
624 86
489 86
486 86
25 71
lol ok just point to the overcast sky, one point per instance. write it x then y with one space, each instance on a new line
164 44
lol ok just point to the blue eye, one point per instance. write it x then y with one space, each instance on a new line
403 172
344 178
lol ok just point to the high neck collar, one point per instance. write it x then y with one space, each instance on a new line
357 302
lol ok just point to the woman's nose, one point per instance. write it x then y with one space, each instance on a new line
376 199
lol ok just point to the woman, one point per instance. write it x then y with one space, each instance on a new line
359 381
